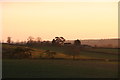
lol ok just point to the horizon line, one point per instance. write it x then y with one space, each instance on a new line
68 39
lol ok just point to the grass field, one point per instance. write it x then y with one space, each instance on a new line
59 69
62 66
92 53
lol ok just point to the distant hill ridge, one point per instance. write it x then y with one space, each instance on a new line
109 43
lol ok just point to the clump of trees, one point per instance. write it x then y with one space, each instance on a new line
50 54
58 41
17 52
22 52
33 41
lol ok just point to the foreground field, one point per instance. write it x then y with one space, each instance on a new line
89 63
44 68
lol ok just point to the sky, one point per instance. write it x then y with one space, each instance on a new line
69 19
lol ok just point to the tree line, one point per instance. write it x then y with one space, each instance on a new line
71 49
57 41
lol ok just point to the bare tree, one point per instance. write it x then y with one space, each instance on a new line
30 39
9 40
38 39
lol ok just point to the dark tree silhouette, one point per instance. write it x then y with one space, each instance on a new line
77 42
58 41
53 42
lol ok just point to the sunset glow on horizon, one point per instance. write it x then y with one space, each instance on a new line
71 20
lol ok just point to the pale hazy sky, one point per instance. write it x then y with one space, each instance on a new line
71 20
